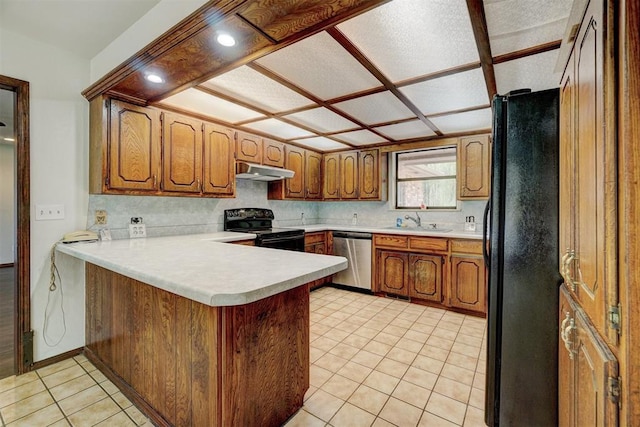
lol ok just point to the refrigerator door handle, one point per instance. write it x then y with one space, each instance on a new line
485 228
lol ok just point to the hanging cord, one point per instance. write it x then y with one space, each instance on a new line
52 288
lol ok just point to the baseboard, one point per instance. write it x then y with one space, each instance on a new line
55 359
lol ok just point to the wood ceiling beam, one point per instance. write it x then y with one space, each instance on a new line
481 34
534 50
365 62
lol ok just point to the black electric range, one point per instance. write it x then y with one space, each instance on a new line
259 222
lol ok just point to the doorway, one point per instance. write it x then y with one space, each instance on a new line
16 355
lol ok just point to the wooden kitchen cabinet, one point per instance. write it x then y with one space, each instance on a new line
331 178
182 154
349 175
588 215
313 175
369 175
588 387
425 277
316 243
468 283
393 272
294 160
248 148
273 153
474 170
219 176
133 143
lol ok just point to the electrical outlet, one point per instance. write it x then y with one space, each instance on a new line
101 217
137 230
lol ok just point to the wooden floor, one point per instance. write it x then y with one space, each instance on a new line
7 301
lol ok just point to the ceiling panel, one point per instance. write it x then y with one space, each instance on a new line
515 24
321 143
202 103
359 137
255 88
449 93
377 108
464 122
406 130
278 128
321 66
535 72
323 120
409 38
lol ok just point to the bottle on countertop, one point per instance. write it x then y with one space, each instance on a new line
354 220
302 221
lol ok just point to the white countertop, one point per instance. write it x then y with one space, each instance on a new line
455 234
203 268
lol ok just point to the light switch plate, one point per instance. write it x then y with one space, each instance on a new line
47 212
469 226
137 230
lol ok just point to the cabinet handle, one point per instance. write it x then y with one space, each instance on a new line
570 257
199 185
565 330
155 181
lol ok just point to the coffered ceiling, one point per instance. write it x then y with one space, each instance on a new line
403 71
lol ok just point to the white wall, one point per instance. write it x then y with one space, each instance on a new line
59 174
7 205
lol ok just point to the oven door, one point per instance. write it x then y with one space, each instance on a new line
290 243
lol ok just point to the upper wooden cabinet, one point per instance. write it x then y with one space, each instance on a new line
248 147
294 160
133 151
182 159
313 175
133 141
272 153
331 178
369 174
474 170
349 175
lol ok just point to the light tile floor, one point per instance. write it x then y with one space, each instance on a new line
374 362
384 362
71 392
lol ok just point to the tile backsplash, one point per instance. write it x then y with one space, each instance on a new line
166 216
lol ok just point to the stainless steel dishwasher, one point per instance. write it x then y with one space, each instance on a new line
356 248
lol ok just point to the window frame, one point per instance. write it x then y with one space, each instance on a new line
393 181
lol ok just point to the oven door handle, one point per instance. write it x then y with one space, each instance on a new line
280 239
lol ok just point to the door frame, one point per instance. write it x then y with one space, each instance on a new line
22 309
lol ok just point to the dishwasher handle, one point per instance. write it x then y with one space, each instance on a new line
352 235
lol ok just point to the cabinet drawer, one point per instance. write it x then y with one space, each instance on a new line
391 240
311 238
431 243
466 246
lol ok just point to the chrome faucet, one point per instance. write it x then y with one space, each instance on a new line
416 219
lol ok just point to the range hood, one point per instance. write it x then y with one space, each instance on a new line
257 172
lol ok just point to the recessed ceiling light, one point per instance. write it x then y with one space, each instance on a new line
154 78
226 40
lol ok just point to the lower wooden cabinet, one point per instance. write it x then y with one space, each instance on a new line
432 270
588 387
316 243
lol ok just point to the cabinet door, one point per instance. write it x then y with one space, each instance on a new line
273 153
595 235
248 148
219 163
349 175
313 175
182 154
566 377
425 277
393 272
468 284
331 176
369 174
294 187
134 147
474 174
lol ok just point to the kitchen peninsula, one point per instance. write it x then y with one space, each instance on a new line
200 332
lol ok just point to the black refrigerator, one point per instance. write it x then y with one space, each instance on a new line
522 258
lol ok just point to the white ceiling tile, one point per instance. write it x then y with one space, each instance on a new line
535 72
406 130
359 137
255 88
322 120
377 108
409 38
464 122
453 92
516 24
321 66
199 102
321 143
278 129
